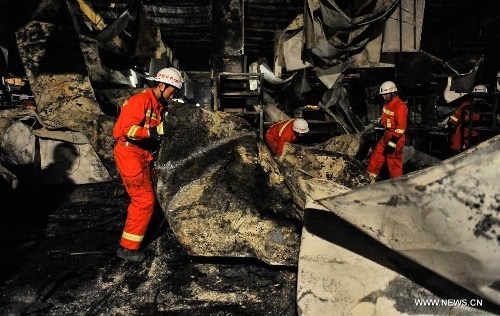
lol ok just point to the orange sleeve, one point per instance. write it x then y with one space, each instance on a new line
272 138
287 136
401 118
132 118
275 141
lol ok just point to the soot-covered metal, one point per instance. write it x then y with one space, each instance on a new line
216 192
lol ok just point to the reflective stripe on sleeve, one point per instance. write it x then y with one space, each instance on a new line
132 237
132 131
399 131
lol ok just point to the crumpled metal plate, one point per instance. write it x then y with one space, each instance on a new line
55 157
217 187
445 218
344 270
61 86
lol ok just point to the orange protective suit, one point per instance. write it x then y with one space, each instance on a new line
135 162
279 134
394 119
460 118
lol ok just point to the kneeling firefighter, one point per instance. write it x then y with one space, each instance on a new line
285 132
137 132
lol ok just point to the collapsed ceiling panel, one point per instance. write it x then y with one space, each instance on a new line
187 26
450 28
403 30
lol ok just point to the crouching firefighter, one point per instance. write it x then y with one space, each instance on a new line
137 133
389 148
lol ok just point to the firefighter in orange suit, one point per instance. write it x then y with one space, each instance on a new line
285 132
138 129
462 117
389 148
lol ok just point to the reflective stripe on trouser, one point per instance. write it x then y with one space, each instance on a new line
394 160
140 190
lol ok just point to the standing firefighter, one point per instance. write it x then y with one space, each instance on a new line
464 134
137 132
285 132
390 147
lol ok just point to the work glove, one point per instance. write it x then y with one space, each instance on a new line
158 131
391 146
451 128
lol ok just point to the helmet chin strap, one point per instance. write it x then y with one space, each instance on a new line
162 99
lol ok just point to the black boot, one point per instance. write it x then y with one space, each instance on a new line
130 255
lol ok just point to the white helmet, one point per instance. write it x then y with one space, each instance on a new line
169 76
300 126
480 89
388 87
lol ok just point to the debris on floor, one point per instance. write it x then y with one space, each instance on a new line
60 261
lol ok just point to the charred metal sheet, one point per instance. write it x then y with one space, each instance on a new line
332 75
59 80
227 32
336 167
119 24
342 269
274 114
325 36
446 218
336 32
89 17
403 30
289 48
218 190
57 157
97 71
9 116
149 42
269 77
336 103
93 17
301 163
371 56
347 144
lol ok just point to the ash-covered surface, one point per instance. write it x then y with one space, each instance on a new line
444 218
59 260
217 194
61 85
332 166
203 140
